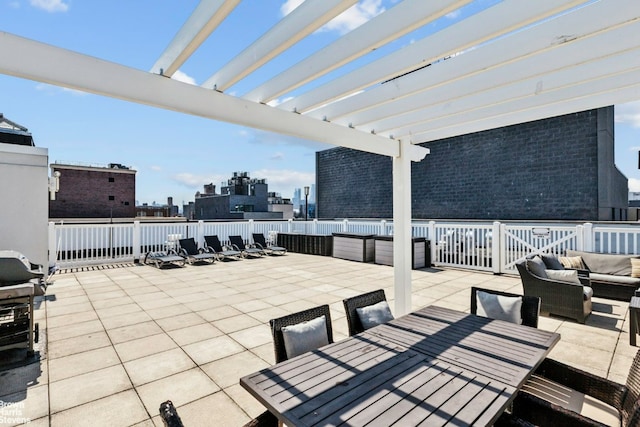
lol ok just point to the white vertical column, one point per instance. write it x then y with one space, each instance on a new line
402 230
136 241
53 246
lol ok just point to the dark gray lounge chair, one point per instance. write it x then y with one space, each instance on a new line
162 258
238 244
222 252
189 250
260 242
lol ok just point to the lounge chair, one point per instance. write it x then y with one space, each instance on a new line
261 242
529 310
222 252
238 244
162 258
189 250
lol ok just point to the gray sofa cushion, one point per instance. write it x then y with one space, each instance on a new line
619 265
624 280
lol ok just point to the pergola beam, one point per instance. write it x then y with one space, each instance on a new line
589 21
470 32
48 64
202 22
401 19
301 22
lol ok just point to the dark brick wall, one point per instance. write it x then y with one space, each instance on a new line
86 193
547 169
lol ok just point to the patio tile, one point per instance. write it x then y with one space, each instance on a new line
121 409
180 321
199 413
70 319
212 349
131 332
118 310
195 333
60 310
133 318
181 389
253 337
169 311
80 363
99 303
19 379
158 365
157 303
31 404
251 305
74 391
145 346
228 371
267 314
244 400
74 330
218 313
78 344
236 323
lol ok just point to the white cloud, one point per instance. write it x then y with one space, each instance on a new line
50 5
52 89
155 168
277 156
196 181
351 18
634 185
628 114
183 77
355 16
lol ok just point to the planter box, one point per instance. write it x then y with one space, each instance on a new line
354 247
421 251
311 244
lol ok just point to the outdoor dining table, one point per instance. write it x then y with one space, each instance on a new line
435 366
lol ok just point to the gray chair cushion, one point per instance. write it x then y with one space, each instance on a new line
570 276
305 336
537 267
620 265
499 307
373 315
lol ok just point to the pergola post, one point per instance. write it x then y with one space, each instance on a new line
402 259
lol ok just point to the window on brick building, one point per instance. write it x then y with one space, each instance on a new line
112 197
112 179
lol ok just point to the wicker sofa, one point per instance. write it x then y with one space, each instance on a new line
564 299
610 274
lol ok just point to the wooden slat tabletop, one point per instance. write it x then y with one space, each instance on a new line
500 350
432 367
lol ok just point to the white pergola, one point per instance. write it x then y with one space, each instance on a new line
513 62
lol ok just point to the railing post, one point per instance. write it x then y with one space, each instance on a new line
383 227
136 241
289 225
497 236
250 228
587 237
200 234
345 225
53 247
315 226
432 238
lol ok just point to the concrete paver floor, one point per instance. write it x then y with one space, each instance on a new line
116 341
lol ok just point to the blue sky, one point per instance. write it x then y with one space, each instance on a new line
174 153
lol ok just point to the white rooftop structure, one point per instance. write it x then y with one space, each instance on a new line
511 62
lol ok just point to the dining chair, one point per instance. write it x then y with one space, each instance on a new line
529 311
282 325
351 306
559 394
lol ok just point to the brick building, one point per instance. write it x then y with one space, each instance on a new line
94 192
561 168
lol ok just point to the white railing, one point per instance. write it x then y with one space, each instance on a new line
485 246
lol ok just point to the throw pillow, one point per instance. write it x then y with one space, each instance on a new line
570 276
499 307
373 315
573 262
537 267
306 336
635 267
551 262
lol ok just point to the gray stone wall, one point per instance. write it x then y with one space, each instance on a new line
541 170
